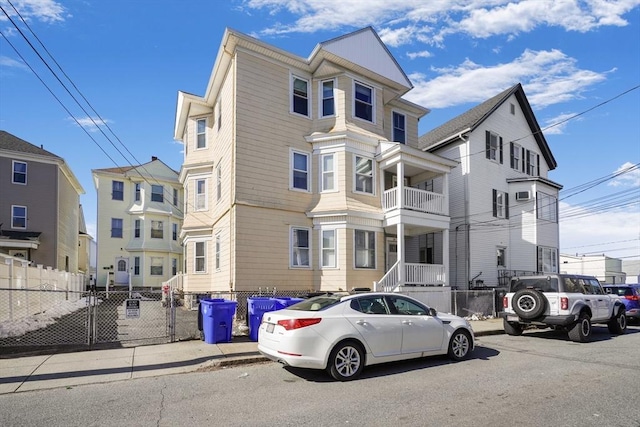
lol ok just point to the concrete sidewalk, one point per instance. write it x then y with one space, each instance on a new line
100 366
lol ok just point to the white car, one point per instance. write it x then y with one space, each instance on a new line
345 333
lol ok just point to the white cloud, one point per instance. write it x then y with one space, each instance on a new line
42 10
613 233
421 54
91 124
629 176
557 125
432 21
5 61
548 77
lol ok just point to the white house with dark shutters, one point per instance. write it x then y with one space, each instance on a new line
503 208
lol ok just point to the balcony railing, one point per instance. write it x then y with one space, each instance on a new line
414 199
414 274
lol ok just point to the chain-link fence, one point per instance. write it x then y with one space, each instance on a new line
32 319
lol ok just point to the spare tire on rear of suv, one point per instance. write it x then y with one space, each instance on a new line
529 304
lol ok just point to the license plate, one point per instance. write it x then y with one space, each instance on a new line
270 327
512 318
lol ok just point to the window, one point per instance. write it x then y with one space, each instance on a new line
157 193
136 266
364 175
406 307
327 167
156 266
399 129
219 113
174 232
533 163
300 96
328 103
501 257
300 170
365 253
201 194
157 230
328 249
201 133
512 109
18 216
493 149
363 102
19 172
199 257
300 247
217 252
174 266
218 181
175 197
547 260
117 190
137 191
500 204
546 207
136 229
370 305
116 227
516 151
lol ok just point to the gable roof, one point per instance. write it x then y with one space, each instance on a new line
11 142
365 48
471 119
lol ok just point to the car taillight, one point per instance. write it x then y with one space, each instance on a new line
290 324
632 297
564 303
505 302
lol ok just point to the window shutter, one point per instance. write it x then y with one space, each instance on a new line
506 205
528 169
500 150
522 159
488 144
495 203
538 160
511 154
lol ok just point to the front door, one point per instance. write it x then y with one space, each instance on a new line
392 252
122 271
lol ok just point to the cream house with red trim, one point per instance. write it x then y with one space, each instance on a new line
291 169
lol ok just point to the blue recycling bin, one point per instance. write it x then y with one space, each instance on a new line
217 319
256 307
284 302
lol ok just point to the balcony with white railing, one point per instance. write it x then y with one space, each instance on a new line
415 200
414 274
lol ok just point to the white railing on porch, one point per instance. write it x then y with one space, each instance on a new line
414 274
415 199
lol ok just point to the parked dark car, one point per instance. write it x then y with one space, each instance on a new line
630 295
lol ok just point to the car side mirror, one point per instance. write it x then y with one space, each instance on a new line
432 312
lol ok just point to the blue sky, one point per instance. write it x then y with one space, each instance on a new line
129 58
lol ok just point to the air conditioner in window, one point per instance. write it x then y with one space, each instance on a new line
523 195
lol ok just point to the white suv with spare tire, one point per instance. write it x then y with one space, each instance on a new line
562 301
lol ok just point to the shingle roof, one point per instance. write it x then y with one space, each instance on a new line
474 117
11 142
468 120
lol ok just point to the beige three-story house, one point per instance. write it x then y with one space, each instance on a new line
139 220
291 170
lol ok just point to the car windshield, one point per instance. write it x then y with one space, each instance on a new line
316 303
543 284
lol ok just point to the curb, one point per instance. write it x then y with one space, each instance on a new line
487 333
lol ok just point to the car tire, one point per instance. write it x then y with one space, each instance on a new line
513 329
460 345
618 323
346 361
529 304
581 330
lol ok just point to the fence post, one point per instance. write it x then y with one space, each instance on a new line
455 302
9 262
495 308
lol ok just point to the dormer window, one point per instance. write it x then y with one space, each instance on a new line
201 133
363 102
399 129
328 100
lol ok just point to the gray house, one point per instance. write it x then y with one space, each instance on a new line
39 205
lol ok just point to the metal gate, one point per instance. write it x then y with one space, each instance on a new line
39 319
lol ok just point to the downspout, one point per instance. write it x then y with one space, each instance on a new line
465 183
